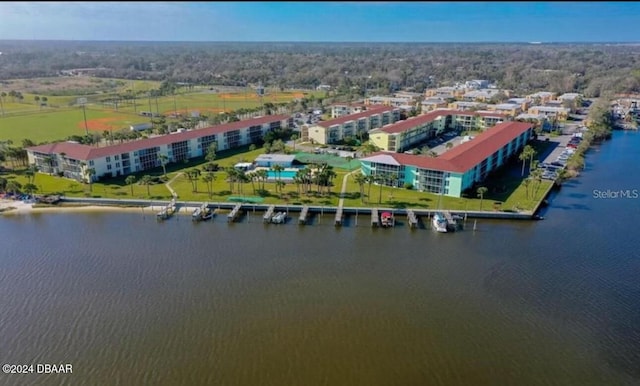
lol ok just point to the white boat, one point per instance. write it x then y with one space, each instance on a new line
279 218
439 222
206 213
387 220
197 213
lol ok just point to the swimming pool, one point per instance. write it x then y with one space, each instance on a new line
284 175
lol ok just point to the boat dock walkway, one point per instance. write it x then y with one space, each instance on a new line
320 209
412 219
375 219
268 214
231 217
303 215
338 220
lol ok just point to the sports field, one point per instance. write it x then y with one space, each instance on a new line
60 124
62 118
329 159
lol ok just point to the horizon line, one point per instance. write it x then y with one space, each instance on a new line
326 42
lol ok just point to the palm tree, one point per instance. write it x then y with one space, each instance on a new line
432 154
129 181
526 183
360 179
147 180
278 170
279 186
13 186
262 175
536 175
208 179
524 156
163 158
231 176
242 178
294 138
449 145
298 179
195 174
380 179
30 188
481 191
30 174
88 174
370 180
532 153
330 174
305 175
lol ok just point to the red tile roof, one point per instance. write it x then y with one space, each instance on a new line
431 116
85 152
467 155
354 117
72 150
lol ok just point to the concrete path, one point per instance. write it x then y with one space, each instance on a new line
344 187
168 185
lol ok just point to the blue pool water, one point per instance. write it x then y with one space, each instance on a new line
285 174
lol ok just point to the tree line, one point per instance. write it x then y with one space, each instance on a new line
586 68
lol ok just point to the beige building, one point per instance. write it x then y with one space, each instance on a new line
354 125
431 104
466 106
560 113
403 135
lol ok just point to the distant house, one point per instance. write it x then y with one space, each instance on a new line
559 112
466 106
323 87
543 96
342 109
141 126
432 104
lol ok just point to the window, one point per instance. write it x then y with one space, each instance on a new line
108 159
108 167
91 163
117 157
117 164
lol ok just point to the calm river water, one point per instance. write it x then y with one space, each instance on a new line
129 301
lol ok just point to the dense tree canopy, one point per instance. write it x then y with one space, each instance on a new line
587 68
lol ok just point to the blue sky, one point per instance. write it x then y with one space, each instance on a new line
330 21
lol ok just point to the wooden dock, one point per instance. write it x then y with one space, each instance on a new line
231 217
375 219
303 215
412 219
338 220
268 214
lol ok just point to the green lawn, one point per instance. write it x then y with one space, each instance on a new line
404 198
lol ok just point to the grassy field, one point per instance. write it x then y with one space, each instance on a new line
59 124
27 119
